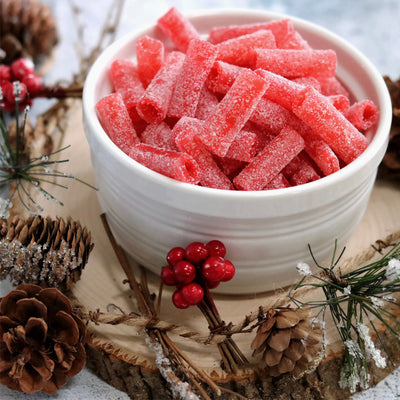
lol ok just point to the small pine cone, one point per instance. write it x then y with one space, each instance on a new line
390 166
43 251
27 28
41 339
288 342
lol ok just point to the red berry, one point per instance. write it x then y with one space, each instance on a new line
167 276
184 272
229 271
214 269
21 68
34 84
196 252
216 248
192 293
13 90
212 285
178 300
175 255
5 73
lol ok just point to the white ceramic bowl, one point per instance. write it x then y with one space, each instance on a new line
266 233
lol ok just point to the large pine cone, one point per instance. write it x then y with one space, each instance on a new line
27 28
44 251
41 340
390 166
288 341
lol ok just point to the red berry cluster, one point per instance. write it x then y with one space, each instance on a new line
19 80
195 269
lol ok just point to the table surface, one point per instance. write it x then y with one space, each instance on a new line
370 25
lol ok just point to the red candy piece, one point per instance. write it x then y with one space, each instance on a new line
115 120
154 103
159 135
196 252
178 28
207 103
363 114
233 111
222 76
278 182
125 79
200 57
275 156
244 146
330 124
192 293
184 272
280 29
210 174
150 57
297 63
240 50
176 165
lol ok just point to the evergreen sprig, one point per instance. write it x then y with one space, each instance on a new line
357 300
20 172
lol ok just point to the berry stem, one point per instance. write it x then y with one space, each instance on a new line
61 92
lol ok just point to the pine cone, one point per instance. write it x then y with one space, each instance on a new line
43 251
41 340
27 28
288 342
390 166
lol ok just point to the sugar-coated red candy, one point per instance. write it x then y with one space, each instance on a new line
330 124
275 156
280 29
240 50
207 103
153 105
363 114
125 79
159 135
220 128
115 120
296 63
200 57
150 57
277 182
174 164
210 174
178 28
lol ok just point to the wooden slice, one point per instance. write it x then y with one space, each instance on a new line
119 354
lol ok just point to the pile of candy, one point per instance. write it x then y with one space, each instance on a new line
253 107
19 82
193 270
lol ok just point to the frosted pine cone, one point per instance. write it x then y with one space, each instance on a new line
43 251
41 340
288 342
27 28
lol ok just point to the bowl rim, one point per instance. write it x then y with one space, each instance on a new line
379 141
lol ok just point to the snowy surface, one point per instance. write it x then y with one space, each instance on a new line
370 25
